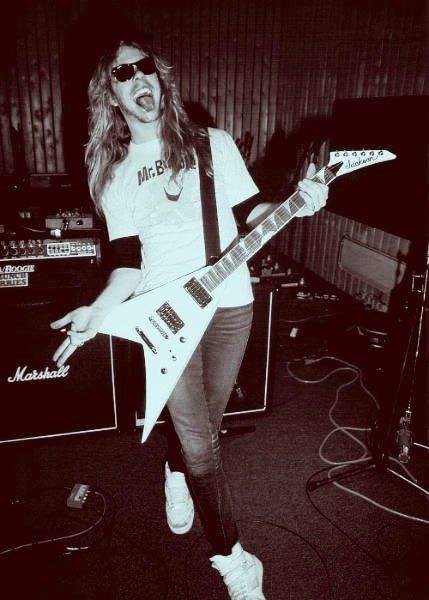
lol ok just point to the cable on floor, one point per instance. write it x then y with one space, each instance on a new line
263 523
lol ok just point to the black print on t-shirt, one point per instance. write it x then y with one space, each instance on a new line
172 197
148 172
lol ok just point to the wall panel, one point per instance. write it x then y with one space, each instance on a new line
364 49
256 67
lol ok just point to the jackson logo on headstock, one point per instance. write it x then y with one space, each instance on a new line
365 159
22 374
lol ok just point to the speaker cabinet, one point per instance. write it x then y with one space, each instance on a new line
253 390
252 393
38 399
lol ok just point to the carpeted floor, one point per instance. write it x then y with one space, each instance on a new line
315 545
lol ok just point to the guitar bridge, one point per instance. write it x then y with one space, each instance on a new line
198 292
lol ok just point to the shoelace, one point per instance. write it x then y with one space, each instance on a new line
238 593
177 492
236 582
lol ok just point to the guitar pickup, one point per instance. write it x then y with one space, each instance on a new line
146 340
170 317
198 292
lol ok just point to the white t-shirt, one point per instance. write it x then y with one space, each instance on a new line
142 200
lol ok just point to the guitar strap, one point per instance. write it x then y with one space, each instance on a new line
209 210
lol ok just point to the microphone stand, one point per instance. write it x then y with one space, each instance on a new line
414 323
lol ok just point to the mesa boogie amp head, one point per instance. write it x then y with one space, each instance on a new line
48 263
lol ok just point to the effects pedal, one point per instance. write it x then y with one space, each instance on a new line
78 495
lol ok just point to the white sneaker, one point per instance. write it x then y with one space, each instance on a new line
179 505
242 573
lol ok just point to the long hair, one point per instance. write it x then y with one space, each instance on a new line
109 135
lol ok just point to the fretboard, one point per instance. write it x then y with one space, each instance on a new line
258 237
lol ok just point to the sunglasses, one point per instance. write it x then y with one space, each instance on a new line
127 71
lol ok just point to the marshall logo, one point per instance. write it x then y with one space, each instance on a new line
18 269
22 374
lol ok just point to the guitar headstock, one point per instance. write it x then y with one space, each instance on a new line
346 161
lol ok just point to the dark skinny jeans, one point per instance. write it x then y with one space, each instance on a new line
196 408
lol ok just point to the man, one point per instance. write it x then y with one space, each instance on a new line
141 159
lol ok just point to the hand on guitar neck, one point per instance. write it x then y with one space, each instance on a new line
313 193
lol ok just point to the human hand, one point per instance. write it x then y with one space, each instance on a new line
84 323
313 193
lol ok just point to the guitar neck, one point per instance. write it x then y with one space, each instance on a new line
258 237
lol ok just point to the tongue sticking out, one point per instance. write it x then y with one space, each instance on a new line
146 102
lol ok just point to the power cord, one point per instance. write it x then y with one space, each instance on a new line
346 430
106 512
374 559
337 427
414 582
365 456
71 536
261 523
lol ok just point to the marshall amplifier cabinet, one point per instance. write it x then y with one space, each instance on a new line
39 400
48 263
252 394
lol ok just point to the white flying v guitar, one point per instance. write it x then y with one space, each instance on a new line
169 321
